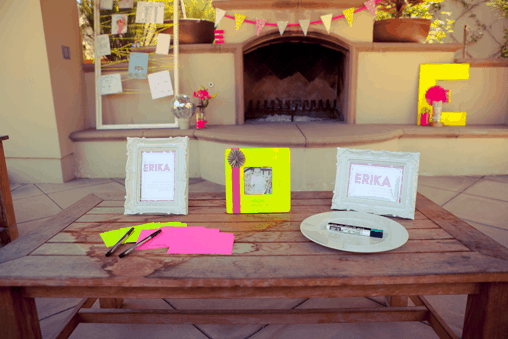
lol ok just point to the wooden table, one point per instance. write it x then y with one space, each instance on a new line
271 259
8 227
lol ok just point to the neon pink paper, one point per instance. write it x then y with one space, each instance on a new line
194 240
170 235
218 243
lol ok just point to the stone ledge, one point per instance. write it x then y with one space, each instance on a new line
299 135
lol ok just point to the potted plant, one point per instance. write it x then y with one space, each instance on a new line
398 24
196 22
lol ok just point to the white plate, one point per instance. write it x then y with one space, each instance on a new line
394 234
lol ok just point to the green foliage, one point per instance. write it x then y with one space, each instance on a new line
504 49
200 9
501 5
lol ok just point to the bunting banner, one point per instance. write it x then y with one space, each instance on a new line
260 23
305 25
282 26
239 20
371 6
327 21
348 13
219 14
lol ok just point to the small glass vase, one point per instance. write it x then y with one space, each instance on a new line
200 115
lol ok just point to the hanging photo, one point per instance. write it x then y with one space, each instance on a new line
119 24
125 4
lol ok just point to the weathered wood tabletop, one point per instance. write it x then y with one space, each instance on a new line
271 259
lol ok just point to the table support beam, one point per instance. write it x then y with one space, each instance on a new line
397 300
110 302
18 315
487 313
298 316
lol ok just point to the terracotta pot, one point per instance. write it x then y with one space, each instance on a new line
193 31
401 30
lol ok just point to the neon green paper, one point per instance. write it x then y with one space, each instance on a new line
112 237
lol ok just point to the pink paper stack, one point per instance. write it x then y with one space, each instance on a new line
189 240
219 36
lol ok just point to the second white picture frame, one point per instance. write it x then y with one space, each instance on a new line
378 182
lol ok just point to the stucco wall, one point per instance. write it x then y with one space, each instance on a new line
28 109
388 85
438 157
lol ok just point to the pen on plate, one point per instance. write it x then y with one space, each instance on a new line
356 230
123 254
119 242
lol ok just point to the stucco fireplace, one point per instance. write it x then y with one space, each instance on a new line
293 78
295 75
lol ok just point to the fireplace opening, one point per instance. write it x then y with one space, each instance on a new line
293 81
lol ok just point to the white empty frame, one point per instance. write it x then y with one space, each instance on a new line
379 182
157 179
98 96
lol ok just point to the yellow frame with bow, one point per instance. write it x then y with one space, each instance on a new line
236 160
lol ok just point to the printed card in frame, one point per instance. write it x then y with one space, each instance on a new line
157 176
258 180
378 182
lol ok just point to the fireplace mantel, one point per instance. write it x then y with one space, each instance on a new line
287 4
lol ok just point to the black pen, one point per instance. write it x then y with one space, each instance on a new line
123 254
119 242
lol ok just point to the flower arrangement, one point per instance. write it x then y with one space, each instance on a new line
202 94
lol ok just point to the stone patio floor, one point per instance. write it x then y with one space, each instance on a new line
481 201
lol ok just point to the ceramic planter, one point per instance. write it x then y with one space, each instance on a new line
193 31
401 30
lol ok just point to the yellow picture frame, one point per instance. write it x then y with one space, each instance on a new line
279 201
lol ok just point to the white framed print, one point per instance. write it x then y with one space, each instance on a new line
378 182
157 178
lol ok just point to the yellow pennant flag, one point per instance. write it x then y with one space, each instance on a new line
239 20
348 13
327 21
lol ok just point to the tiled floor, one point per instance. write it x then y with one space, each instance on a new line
482 201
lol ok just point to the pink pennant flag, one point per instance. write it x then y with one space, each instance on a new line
260 23
371 6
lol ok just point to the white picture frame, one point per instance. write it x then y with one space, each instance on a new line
157 180
378 182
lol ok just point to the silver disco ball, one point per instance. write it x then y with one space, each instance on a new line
182 106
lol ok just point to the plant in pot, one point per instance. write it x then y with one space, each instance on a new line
196 22
403 20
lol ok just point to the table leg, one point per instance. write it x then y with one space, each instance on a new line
397 300
18 315
487 313
110 302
